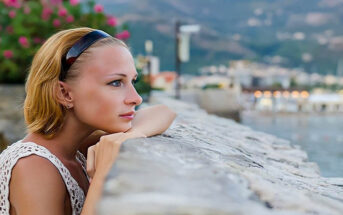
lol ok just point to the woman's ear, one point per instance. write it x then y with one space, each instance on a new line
64 94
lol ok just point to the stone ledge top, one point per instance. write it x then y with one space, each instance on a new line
204 164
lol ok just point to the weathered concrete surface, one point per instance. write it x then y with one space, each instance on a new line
12 124
204 164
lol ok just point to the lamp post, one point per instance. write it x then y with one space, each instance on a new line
177 60
182 37
148 49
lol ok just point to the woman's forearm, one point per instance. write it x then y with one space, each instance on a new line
93 196
149 121
101 157
153 120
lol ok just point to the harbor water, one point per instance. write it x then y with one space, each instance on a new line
320 135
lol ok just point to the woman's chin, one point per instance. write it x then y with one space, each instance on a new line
122 128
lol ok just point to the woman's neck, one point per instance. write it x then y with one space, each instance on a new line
67 141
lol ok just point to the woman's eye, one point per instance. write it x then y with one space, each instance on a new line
116 83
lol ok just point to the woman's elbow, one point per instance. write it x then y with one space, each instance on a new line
168 112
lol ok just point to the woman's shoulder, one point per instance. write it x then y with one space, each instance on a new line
35 168
30 161
26 169
38 178
27 157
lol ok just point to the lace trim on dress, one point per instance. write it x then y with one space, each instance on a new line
82 160
10 156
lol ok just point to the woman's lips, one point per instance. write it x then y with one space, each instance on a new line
129 115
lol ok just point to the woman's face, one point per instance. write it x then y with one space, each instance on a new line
103 94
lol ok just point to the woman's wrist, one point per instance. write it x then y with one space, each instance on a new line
100 175
135 133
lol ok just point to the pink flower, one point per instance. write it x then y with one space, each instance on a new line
56 2
56 23
27 9
12 3
37 40
46 13
62 11
8 3
8 54
47 10
70 19
111 21
98 8
124 35
74 2
23 42
12 14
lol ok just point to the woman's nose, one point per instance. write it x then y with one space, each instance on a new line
133 98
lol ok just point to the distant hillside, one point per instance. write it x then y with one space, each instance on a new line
292 33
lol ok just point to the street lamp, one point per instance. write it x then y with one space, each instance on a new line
182 39
148 47
148 50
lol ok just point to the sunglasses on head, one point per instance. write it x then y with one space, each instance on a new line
76 50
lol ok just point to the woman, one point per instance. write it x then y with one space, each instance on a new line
80 97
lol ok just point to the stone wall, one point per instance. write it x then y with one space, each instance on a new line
221 102
12 125
204 164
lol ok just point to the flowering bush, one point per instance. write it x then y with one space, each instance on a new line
25 25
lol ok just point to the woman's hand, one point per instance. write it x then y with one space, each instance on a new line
91 140
102 155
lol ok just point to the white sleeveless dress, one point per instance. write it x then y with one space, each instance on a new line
10 156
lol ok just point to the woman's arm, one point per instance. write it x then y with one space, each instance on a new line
36 187
153 120
150 121
101 157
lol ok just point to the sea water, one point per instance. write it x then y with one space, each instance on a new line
319 134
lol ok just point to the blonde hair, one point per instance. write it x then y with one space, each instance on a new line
42 111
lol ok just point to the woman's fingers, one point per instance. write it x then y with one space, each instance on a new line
115 138
91 161
102 155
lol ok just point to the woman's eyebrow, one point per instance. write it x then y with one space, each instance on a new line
122 74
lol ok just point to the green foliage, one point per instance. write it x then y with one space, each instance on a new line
142 86
333 87
211 86
25 25
293 83
277 85
158 89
